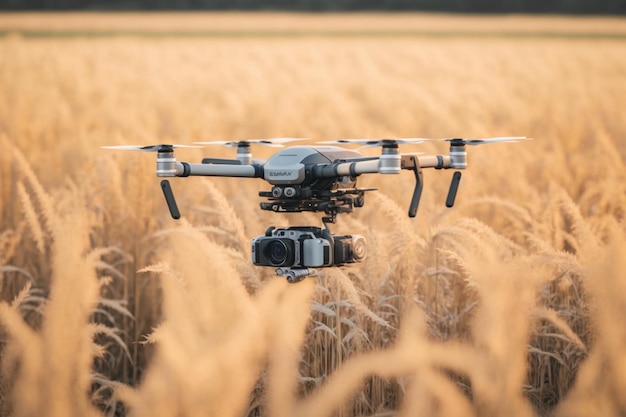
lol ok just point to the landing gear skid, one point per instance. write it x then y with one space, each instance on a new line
294 275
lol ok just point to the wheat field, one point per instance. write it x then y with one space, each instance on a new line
510 303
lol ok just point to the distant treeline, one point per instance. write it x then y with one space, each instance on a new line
463 6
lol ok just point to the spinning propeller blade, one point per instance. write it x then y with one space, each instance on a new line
149 148
271 142
370 143
473 142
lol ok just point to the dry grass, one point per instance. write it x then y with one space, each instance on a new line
508 304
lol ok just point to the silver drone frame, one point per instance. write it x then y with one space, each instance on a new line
288 167
390 162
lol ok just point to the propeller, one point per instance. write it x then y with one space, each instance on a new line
149 148
400 141
166 166
473 142
370 143
271 142
459 161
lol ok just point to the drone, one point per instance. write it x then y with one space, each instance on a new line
313 178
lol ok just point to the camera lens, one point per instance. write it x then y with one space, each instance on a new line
359 248
277 192
290 191
277 252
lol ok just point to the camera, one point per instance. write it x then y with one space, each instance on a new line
303 247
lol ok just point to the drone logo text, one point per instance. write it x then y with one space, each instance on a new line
280 173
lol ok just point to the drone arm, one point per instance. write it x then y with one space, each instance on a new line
184 169
358 168
374 167
435 161
346 169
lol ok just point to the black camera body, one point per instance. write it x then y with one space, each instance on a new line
304 247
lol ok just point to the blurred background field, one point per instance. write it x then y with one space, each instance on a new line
227 23
507 304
